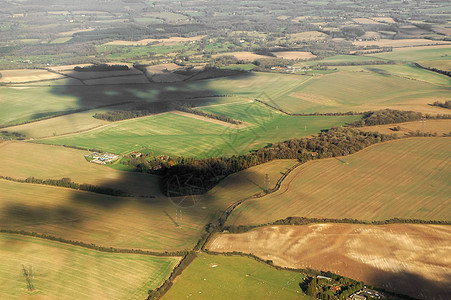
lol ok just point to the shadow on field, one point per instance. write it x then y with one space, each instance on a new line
413 285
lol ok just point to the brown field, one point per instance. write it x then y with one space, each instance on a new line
162 67
408 178
433 126
21 160
27 75
243 55
406 258
401 43
307 36
294 55
365 21
158 42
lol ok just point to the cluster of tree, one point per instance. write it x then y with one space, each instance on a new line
319 287
102 68
200 175
119 115
264 51
446 104
183 264
225 60
387 116
68 183
11 135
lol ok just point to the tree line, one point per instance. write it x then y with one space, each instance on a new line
102 68
68 183
446 104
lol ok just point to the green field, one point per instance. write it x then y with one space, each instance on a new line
417 54
235 277
404 179
69 272
174 134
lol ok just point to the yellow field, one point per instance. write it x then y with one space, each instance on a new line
405 179
63 271
432 126
22 160
294 55
406 258
384 19
22 76
365 21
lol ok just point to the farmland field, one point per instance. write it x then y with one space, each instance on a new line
71 272
404 179
23 160
177 134
405 258
221 277
107 220
432 126
400 43
417 54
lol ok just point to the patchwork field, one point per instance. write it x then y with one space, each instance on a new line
70 272
221 277
107 220
406 258
177 134
404 179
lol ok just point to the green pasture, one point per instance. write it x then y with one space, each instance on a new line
185 136
235 277
411 54
63 271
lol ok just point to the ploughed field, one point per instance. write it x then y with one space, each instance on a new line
407 178
411 259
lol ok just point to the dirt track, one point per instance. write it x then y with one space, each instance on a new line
407 258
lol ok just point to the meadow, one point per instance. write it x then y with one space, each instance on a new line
71 272
381 255
223 277
404 179
180 135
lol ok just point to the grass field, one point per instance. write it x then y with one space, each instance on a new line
406 258
400 43
405 179
70 272
221 277
438 64
417 54
175 134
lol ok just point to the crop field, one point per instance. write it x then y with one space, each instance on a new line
248 56
432 126
400 43
438 64
101 219
70 272
181 135
20 76
404 179
406 258
75 122
417 54
22 160
222 277
107 220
